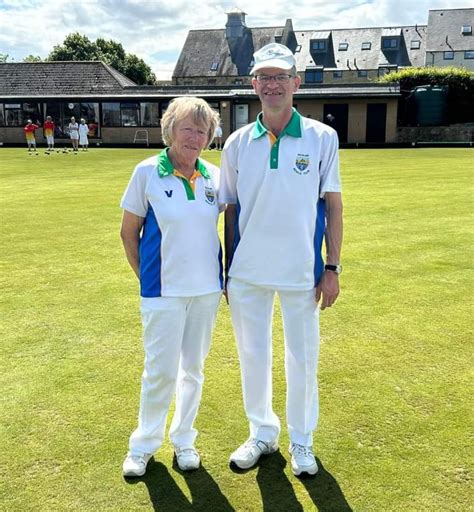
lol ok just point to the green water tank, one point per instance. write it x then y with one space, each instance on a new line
430 104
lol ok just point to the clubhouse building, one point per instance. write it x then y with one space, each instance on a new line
337 68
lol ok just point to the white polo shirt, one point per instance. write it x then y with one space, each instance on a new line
279 191
180 252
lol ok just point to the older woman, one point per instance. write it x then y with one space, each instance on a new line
169 232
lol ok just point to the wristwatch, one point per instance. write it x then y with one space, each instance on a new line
333 268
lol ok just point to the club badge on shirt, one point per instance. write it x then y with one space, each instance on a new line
301 164
210 195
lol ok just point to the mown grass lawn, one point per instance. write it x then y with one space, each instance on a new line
395 367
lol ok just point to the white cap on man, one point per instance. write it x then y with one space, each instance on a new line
273 55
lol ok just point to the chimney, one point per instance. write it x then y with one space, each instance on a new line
235 26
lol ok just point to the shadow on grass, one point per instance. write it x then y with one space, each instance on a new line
278 494
165 495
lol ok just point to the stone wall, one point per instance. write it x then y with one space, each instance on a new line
452 133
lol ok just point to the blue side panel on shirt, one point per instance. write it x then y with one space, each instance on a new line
221 268
150 257
318 240
236 232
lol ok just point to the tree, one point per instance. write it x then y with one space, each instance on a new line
3 57
75 47
32 58
80 47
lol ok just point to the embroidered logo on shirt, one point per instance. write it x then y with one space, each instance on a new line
168 193
210 195
301 164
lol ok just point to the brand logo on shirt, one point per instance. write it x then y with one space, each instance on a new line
168 193
210 195
301 164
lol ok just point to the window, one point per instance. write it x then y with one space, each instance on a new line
149 114
111 114
298 48
238 81
130 114
415 45
366 46
313 76
214 66
469 54
16 114
466 30
385 71
337 74
390 43
318 46
362 73
448 55
343 47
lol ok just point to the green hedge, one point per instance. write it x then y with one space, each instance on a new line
460 83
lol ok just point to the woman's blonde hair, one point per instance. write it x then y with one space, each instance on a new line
180 108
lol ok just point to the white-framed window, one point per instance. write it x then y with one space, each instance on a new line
466 30
366 46
343 47
214 66
415 45
298 48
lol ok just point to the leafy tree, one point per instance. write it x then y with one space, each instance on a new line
137 70
32 58
80 47
3 57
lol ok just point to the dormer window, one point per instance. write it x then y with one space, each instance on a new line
466 30
390 43
298 48
343 47
415 45
319 46
214 66
366 46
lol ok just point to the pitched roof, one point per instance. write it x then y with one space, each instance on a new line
354 57
65 78
202 48
444 30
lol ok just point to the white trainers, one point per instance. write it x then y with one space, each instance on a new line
135 465
302 459
187 458
248 454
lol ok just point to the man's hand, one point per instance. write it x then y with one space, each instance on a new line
328 288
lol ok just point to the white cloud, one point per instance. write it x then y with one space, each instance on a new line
155 30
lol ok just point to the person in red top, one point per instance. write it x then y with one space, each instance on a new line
29 130
48 128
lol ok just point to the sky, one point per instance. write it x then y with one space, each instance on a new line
156 30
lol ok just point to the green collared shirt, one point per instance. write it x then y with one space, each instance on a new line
165 168
293 129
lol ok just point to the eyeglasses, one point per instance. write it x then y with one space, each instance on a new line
281 78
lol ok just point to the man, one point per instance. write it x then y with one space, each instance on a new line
29 130
48 128
280 179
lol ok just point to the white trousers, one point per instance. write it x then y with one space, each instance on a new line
177 336
252 313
